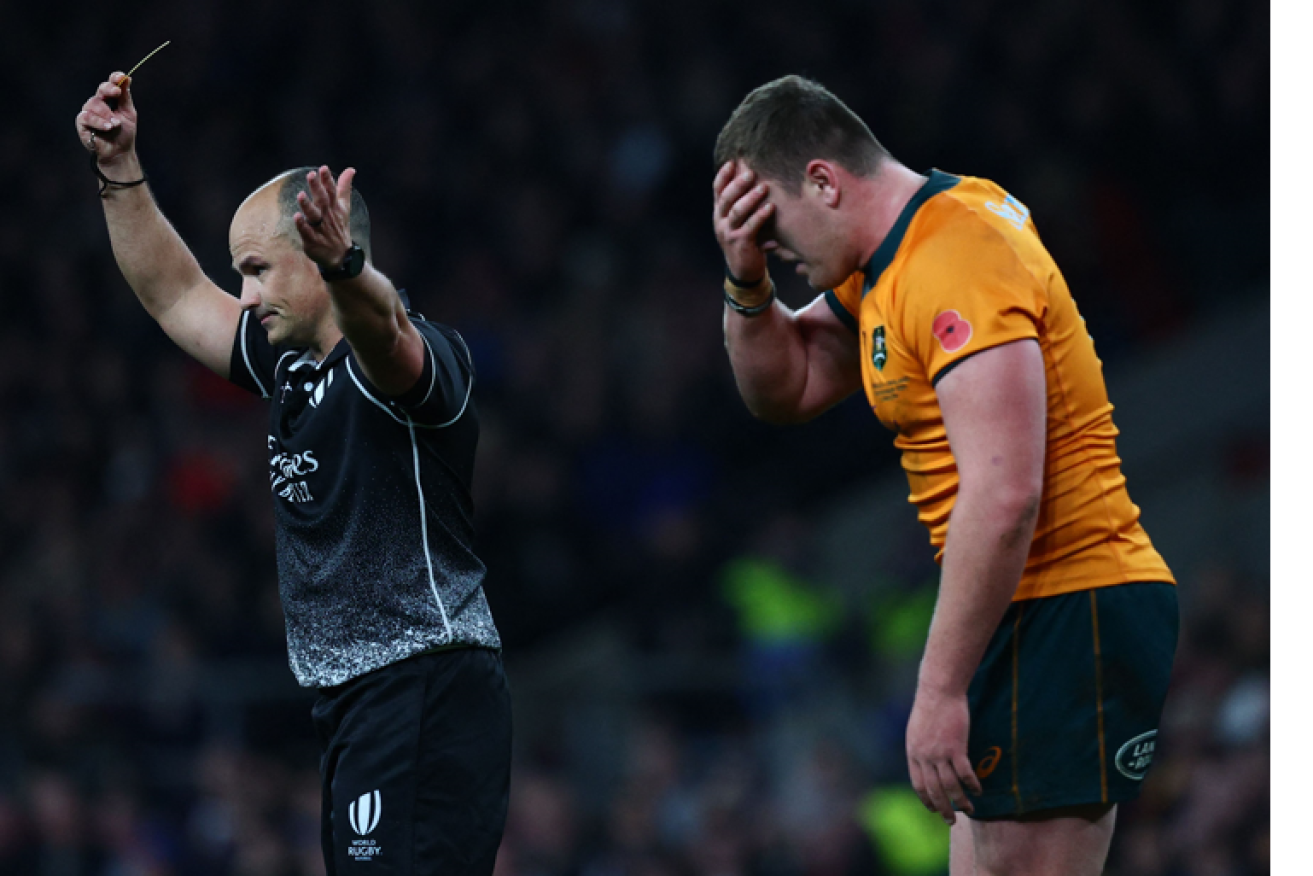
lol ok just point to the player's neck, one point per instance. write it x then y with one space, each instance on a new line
883 198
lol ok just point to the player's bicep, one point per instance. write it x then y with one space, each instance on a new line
202 321
833 358
995 412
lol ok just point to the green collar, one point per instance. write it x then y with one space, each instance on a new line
884 253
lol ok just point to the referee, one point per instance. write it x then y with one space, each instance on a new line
371 444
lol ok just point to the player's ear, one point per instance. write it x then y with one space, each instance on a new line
823 176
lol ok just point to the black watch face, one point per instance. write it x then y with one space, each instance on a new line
354 262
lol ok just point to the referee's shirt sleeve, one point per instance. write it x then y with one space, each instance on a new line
442 393
253 358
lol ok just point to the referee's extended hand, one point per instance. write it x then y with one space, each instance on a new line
937 753
324 220
107 124
741 212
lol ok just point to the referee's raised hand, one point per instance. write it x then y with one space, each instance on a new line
324 220
107 124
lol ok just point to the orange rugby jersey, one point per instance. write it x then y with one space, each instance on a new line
963 270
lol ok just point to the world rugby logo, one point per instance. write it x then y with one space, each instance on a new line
364 812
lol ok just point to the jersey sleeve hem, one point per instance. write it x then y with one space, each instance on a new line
993 343
242 369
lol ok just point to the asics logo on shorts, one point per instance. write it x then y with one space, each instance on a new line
989 762
364 811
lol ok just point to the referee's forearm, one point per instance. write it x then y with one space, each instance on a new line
151 255
367 309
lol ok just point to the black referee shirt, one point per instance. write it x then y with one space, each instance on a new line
375 536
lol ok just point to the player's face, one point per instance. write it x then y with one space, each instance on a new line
280 285
803 233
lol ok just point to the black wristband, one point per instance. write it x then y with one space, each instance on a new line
742 285
758 310
106 183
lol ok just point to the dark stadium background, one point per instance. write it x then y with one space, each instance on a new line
697 688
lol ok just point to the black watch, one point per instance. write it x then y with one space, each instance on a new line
352 264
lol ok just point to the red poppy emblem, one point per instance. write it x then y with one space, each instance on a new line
952 330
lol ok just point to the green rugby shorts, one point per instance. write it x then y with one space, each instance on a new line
1066 701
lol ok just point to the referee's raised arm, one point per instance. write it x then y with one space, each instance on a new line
198 315
366 306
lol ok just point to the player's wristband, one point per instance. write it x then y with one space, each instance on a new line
750 311
749 300
729 275
106 183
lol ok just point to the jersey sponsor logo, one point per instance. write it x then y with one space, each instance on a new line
952 331
1134 758
318 395
287 472
1012 210
879 353
989 762
364 812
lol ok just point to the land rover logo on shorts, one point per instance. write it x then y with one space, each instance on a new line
878 353
1134 758
364 812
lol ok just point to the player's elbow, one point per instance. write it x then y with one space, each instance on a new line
1008 501
1016 505
775 411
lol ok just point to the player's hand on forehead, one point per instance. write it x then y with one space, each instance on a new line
741 213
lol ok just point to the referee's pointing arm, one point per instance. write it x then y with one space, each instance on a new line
198 315
307 282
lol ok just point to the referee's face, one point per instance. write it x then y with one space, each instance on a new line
280 285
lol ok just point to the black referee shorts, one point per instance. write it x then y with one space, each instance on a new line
416 766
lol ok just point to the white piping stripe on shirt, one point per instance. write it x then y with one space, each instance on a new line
408 422
360 386
424 532
433 375
246 357
468 389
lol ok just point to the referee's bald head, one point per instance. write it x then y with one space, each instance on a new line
287 185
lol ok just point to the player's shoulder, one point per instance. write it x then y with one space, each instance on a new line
968 226
975 209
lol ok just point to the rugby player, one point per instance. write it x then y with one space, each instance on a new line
1048 656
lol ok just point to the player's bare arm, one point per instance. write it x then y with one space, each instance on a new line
199 316
994 408
366 308
790 366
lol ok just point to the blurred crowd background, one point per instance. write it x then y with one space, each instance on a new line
711 625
